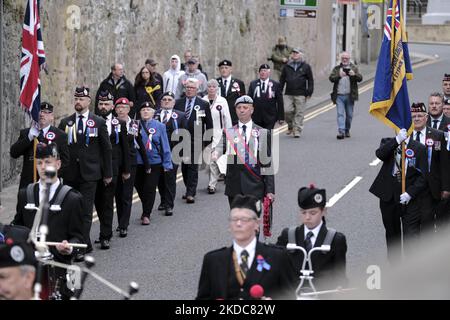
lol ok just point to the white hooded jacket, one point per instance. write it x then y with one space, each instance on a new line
171 76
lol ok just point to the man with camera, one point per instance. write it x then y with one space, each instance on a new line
345 77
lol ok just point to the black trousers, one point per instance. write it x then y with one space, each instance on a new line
124 198
190 178
145 184
167 186
104 204
87 190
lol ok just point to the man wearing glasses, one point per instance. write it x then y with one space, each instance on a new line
248 268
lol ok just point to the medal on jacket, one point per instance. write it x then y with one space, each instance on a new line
50 136
151 132
409 153
115 123
429 143
219 108
255 134
271 95
175 122
198 114
71 136
90 129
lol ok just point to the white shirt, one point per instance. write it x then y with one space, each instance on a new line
266 85
165 116
315 231
85 118
248 129
251 248
423 134
108 123
53 188
228 83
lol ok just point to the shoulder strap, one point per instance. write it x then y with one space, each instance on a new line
291 235
30 193
329 237
61 195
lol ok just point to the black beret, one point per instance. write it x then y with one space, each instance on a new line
46 106
225 63
14 232
418 107
46 150
147 104
14 254
311 197
105 96
446 77
168 93
82 92
247 202
264 66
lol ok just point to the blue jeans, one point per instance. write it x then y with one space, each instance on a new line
344 108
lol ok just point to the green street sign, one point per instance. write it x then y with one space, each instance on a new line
302 3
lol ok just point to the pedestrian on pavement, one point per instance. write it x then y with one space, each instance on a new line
151 64
104 195
17 271
437 119
388 188
28 138
249 152
154 137
236 272
221 118
280 56
230 88
267 99
329 267
192 72
172 75
184 65
90 156
148 88
198 120
446 86
118 85
298 78
174 120
345 78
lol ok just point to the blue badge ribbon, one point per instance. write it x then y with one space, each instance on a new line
262 264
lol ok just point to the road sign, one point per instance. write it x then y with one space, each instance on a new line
302 3
299 13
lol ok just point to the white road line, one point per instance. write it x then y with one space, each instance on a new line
341 193
375 162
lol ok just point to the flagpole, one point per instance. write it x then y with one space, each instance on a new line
403 168
1 94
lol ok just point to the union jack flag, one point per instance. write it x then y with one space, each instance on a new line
33 58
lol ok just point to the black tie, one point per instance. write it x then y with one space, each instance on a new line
244 128
308 242
418 136
225 86
41 135
435 122
263 87
166 113
189 108
80 128
244 263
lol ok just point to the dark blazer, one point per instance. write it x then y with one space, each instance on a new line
206 122
437 176
170 125
443 126
235 90
329 267
24 147
239 179
90 162
120 150
218 277
385 186
268 106
66 224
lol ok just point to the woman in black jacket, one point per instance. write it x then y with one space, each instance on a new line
147 88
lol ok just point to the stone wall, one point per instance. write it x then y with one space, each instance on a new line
131 31
429 33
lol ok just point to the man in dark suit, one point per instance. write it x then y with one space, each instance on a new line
387 187
235 272
104 195
90 156
249 163
230 87
329 267
267 99
64 222
437 119
433 201
198 120
174 121
48 133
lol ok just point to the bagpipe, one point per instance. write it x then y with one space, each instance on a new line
56 280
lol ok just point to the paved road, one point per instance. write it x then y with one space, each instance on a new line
165 257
